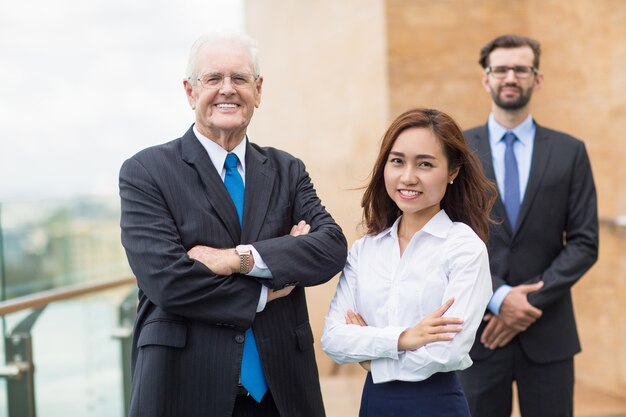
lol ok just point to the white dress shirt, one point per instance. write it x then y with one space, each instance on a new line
217 154
392 293
523 150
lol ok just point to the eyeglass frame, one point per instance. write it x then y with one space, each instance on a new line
533 70
248 83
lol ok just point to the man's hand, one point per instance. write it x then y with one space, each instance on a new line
276 294
515 311
497 333
300 229
220 261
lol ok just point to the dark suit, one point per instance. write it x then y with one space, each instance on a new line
188 339
555 241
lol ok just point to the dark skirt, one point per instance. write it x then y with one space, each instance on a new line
440 395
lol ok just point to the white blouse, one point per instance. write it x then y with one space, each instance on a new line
394 293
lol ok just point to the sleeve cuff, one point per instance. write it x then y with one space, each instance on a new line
386 345
260 269
262 299
497 298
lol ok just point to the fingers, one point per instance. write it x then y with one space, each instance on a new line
534 312
487 335
526 288
354 318
501 338
440 333
444 307
276 294
506 339
302 228
287 290
497 334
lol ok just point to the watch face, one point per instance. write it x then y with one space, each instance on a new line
242 250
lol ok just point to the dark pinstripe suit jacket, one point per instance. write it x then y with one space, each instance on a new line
187 345
555 240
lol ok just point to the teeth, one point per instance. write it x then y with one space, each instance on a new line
226 106
409 193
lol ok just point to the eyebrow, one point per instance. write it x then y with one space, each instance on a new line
419 156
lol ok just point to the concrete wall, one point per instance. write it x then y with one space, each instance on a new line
338 71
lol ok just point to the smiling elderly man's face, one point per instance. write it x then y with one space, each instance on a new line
225 97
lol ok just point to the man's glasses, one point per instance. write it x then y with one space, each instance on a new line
237 80
520 71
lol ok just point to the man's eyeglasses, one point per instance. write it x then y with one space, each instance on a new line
237 80
501 71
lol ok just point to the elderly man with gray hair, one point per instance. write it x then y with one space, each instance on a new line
223 236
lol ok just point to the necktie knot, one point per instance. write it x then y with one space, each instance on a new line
509 138
231 161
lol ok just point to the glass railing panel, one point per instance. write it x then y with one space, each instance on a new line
51 244
77 356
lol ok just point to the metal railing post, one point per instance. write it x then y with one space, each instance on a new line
20 368
127 314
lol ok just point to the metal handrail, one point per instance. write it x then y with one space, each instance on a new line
616 221
43 298
616 224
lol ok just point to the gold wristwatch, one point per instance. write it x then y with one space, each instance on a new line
244 258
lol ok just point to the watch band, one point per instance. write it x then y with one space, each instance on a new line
244 259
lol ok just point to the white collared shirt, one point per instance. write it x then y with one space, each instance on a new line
445 259
217 154
522 148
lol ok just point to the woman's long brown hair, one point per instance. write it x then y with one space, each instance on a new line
468 200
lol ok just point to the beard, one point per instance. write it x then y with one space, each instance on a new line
515 104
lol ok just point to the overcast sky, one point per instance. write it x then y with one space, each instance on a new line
86 84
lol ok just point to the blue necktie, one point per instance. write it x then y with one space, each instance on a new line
252 377
511 180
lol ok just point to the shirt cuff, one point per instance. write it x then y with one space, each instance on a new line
385 345
497 298
262 299
260 269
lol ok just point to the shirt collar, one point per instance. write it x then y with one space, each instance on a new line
218 154
437 226
524 131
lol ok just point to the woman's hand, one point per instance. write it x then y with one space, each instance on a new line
355 318
433 328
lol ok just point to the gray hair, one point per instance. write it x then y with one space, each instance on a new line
212 38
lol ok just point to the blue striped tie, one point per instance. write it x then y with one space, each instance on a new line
511 180
252 377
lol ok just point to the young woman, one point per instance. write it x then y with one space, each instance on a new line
415 287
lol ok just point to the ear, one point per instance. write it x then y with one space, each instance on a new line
538 80
485 82
191 99
258 89
453 174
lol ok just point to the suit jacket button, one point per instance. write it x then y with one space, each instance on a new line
239 338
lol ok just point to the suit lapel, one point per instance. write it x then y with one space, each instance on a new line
260 179
538 166
194 154
484 153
